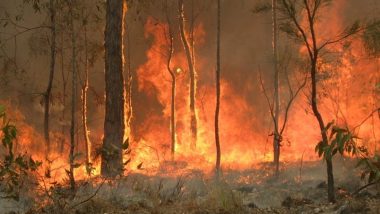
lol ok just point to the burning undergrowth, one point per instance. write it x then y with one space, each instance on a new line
161 179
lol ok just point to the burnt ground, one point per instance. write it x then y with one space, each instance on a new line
297 190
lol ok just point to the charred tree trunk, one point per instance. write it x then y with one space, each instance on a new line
112 159
84 105
47 94
193 116
73 99
217 140
276 132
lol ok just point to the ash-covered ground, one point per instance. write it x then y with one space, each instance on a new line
301 188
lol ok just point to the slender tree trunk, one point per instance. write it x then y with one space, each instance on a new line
112 159
173 76
51 78
276 133
172 119
73 99
217 141
314 104
64 86
192 39
317 114
193 116
84 104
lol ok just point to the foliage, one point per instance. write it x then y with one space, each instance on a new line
371 168
13 168
340 140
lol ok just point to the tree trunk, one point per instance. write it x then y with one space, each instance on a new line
51 78
173 76
64 86
172 119
193 116
84 105
73 100
217 141
317 114
276 133
128 85
314 104
112 159
191 34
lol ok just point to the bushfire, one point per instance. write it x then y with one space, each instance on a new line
280 84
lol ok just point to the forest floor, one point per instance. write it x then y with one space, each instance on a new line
297 190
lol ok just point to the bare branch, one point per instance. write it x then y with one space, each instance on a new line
266 96
290 102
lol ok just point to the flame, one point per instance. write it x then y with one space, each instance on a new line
344 98
349 92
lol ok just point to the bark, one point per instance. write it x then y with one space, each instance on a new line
276 132
114 124
84 104
217 140
192 72
73 100
51 78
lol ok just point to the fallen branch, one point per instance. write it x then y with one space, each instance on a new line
89 198
364 187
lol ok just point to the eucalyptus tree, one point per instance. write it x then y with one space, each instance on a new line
114 124
294 13
189 51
